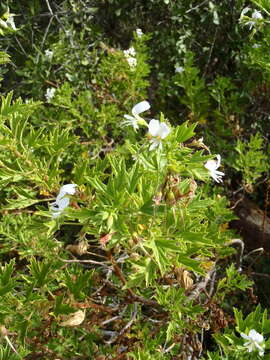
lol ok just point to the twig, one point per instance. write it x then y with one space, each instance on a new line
201 285
20 45
196 7
237 202
169 348
46 32
49 7
55 15
126 327
115 317
110 320
48 14
210 53
212 283
267 276
12 346
241 246
255 259
87 262
201 341
258 183
120 275
253 251
4 333
103 307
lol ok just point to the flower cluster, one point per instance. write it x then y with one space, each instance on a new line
130 55
256 16
156 129
62 199
255 342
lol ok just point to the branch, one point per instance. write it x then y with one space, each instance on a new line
241 247
201 285
87 262
119 274
126 327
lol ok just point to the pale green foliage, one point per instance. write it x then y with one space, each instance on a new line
196 97
145 201
4 58
251 160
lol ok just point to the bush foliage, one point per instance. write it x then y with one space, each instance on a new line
125 130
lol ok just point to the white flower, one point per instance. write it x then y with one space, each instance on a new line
159 131
49 54
135 120
254 341
10 22
3 24
67 189
50 94
212 166
244 11
139 32
130 52
132 62
179 69
62 200
130 55
256 15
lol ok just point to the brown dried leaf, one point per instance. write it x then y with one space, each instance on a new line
184 278
74 319
78 249
104 239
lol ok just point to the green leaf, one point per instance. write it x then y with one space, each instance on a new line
61 308
185 132
191 264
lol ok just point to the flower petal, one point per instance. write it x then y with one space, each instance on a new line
128 117
218 161
210 165
68 189
58 206
179 69
139 32
244 11
154 144
140 107
260 348
164 130
62 203
218 174
154 127
255 336
257 15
